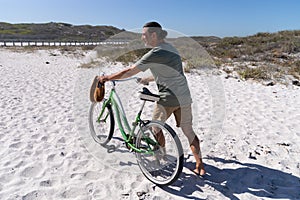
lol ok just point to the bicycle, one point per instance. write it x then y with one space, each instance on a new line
157 148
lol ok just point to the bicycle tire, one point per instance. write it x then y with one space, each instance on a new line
102 130
165 166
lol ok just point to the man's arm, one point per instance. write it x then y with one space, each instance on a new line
126 73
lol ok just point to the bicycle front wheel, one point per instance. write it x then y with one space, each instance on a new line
164 165
101 127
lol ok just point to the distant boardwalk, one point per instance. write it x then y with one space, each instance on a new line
41 43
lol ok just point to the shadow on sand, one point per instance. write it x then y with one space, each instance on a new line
249 178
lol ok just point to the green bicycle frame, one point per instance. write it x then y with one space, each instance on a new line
120 115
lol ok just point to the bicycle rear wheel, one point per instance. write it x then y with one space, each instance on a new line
101 129
164 166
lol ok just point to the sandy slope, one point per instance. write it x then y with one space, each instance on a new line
250 136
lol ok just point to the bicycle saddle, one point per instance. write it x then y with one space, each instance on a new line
148 96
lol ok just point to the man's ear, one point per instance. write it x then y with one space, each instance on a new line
154 35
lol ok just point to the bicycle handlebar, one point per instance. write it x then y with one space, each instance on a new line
126 79
138 79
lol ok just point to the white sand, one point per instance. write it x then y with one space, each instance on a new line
250 134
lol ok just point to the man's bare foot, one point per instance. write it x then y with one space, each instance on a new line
200 171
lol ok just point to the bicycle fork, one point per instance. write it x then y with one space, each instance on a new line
106 104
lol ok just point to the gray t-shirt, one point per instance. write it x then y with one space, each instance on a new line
165 64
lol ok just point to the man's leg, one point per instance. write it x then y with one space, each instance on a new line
161 114
160 138
184 119
195 147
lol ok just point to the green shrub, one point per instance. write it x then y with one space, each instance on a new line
295 69
258 73
132 56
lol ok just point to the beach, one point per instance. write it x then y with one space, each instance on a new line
249 132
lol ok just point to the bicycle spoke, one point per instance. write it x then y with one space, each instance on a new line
164 165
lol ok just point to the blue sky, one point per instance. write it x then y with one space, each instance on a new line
191 17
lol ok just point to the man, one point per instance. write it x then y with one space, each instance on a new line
165 65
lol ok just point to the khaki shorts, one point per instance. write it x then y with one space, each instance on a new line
183 116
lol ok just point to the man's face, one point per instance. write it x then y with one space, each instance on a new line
148 38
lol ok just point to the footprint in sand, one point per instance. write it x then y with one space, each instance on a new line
92 175
35 136
51 157
73 192
34 195
44 138
46 183
16 145
32 171
62 140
